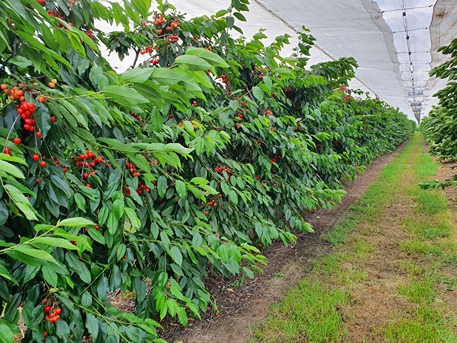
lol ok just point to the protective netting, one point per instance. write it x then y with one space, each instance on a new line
395 42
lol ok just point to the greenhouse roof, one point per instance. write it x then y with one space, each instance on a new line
395 42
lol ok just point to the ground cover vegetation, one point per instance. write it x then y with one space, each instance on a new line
440 127
148 181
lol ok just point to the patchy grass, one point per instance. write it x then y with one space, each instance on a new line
308 313
432 227
425 325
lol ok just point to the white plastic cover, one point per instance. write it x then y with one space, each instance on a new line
395 42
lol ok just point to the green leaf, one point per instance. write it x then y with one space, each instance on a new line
96 235
125 96
79 267
28 210
239 16
176 255
223 253
75 222
86 299
4 273
80 202
162 183
98 78
181 189
212 58
268 82
137 75
102 288
258 93
133 218
53 242
15 194
221 13
283 71
233 197
16 159
92 325
35 254
193 63
199 180
75 113
118 208
141 6
249 273
11 169
20 61
7 335
49 275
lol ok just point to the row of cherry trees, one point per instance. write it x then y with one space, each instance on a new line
440 126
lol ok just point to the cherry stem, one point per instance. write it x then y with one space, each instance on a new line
11 130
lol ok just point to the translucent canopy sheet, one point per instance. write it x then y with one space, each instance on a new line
395 42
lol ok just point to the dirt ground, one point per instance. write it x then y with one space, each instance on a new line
245 307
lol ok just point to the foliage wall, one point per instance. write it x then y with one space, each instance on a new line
440 126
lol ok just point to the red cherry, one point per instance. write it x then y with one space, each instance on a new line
42 164
35 157
17 141
58 310
53 119
38 134
37 180
7 151
54 319
48 309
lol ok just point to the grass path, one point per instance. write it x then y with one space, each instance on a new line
392 274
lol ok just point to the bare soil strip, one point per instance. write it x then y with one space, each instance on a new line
247 306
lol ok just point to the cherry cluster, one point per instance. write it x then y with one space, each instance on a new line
158 19
221 169
26 111
137 117
173 39
275 159
52 311
87 160
147 50
154 61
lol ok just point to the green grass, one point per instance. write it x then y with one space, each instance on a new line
419 290
307 313
431 226
341 231
431 202
425 325
362 248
